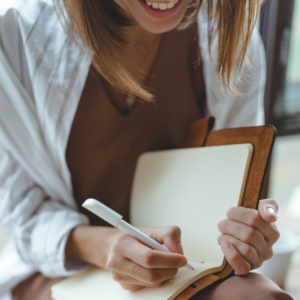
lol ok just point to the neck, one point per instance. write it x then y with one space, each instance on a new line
142 50
141 38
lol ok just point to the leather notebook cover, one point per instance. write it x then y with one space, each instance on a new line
262 138
146 187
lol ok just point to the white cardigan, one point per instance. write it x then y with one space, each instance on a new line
42 74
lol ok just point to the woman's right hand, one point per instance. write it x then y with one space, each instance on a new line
131 263
135 265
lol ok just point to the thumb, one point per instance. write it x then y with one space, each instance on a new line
268 209
170 237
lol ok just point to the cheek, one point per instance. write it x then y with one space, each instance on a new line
153 24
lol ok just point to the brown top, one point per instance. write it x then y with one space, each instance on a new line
104 145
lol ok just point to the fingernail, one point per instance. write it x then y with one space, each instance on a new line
271 211
225 246
179 248
182 262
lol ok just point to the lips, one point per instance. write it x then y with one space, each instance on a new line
161 10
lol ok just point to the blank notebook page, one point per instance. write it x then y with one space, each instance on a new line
193 189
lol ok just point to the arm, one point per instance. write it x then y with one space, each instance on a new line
38 224
131 263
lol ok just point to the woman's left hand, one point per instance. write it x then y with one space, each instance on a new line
248 235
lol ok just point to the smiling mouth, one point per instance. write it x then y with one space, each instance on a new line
161 6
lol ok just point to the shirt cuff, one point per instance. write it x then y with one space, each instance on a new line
55 238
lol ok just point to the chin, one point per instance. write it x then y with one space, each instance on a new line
157 20
158 27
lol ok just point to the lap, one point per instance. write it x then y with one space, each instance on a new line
251 286
36 287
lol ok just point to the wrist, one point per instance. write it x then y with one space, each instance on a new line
91 244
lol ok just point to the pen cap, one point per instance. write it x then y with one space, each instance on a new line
102 211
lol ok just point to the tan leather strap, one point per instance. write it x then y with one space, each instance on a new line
198 133
197 286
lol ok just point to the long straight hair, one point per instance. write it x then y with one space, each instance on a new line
98 25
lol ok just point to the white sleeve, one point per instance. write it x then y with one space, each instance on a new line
246 109
38 224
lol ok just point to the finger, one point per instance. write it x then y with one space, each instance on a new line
245 234
234 258
248 252
131 287
124 279
253 218
148 258
169 236
143 275
268 209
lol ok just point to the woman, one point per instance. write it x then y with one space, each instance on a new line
80 102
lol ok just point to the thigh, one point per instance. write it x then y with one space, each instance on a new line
252 286
249 287
36 287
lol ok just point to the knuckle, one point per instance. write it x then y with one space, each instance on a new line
257 264
247 252
244 270
226 238
158 284
269 253
116 276
136 270
249 235
231 212
111 264
174 230
151 277
234 258
173 272
254 218
117 244
276 234
148 258
223 225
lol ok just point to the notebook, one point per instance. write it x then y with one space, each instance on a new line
192 188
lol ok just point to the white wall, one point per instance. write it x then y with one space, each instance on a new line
285 175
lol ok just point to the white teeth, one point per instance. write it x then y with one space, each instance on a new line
162 6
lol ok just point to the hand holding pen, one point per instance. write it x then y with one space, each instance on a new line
135 265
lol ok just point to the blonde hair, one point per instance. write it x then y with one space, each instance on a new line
98 25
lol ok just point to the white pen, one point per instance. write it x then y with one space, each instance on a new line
115 220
